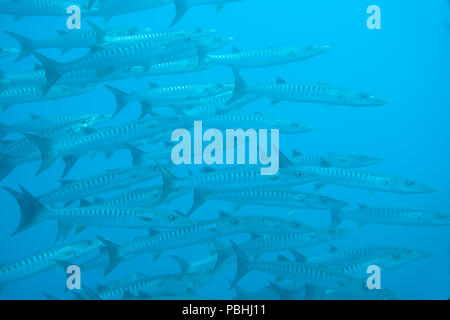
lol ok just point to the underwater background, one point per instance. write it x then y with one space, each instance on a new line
406 62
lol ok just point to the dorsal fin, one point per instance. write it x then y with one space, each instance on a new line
362 206
84 203
235 49
255 236
34 116
207 170
66 182
281 80
153 85
296 153
282 257
223 214
324 163
298 256
333 249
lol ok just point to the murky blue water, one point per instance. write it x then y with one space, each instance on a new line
406 62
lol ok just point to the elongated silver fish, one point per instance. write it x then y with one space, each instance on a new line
33 212
364 180
110 8
33 93
391 216
167 94
71 191
308 93
266 57
279 197
196 233
38 124
102 140
44 260
22 8
336 160
306 273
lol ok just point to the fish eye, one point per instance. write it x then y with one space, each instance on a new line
234 222
363 96
179 276
172 217
324 199
363 157
297 224
409 183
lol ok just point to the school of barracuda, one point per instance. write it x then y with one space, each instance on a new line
143 202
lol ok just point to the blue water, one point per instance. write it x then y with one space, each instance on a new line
406 62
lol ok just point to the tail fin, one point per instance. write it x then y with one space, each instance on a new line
199 198
239 87
146 109
3 130
48 296
136 154
114 254
53 71
242 264
90 4
30 209
121 99
222 252
167 178
185 266
335 218
284 294
26 45
6 165
45 146
180 10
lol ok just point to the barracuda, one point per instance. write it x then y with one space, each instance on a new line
257 121
110 8
393 216
33 212
336 160
244 177
261 244
21 8
268 197
67 40
75 77
102 140
199 232
44 260
167 94
265 58
364 180
309 274
33 93
110 58
71 191
308 93
38 124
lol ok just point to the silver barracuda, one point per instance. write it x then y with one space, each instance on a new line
307 93
44 260
364 180
336 160
266 57
391 216
167 94
22 8
38 124
73 190
110 8
33 93
300 272
279 197
196 233
33 212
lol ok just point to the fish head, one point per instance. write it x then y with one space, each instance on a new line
325 202
358 98
174 219
305 52
399 256
439 218
297 175
217 42
82 247
94 119
263 224
293 127
405 186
